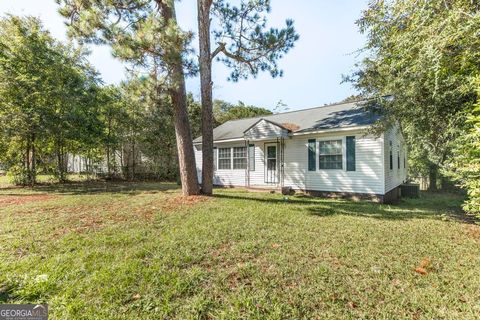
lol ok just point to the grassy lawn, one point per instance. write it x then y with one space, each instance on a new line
139 250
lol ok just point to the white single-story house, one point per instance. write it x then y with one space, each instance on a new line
325 150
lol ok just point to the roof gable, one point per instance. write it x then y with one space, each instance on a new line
265 129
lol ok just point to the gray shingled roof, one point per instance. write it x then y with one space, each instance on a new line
334 116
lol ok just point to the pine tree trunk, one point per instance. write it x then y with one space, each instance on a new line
186 159
206 94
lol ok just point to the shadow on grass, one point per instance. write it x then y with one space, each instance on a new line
428 206
94 187
5 294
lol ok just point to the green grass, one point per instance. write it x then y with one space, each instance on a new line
6 181
137 250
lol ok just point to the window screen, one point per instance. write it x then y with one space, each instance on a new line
251 157
240 158
224 159
330 154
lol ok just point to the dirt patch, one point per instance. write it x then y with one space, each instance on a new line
84 218
473 231
221 250
90 221
174 203
22 199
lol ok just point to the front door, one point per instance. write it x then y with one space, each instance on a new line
271 174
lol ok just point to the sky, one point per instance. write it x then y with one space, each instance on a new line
313 69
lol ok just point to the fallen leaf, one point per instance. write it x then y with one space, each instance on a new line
425 262
421 270
352 305
136 297
396 282
275 245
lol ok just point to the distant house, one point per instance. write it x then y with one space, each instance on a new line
322 151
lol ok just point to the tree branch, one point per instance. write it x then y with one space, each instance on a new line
220 48
239 58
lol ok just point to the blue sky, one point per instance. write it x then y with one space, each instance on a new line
313 69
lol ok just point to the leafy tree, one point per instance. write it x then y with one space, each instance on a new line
145 34
195 115
148 131
76 109
47 99
465 165
224 111
245 45
352 98
24 57
112 115
424 54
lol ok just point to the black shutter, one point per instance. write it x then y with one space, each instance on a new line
398 156
312 157
351 153
391 155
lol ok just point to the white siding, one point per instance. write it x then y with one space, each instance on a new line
233 177
367 178
394 177
222 177
372 174
265 130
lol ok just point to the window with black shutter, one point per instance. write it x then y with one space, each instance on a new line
330 154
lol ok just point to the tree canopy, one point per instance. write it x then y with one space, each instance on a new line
147 36
246 45
224 111
424 54
54 109
48 99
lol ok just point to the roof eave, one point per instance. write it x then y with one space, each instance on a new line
298 133
353 128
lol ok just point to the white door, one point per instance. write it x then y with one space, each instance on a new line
271 164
